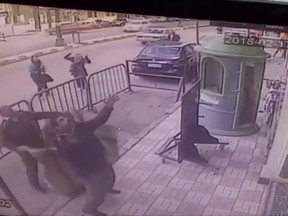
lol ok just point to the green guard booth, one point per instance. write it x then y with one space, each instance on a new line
232 78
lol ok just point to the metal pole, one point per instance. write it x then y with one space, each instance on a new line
12 23
197 32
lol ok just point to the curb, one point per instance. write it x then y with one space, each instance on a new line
59 49
72 46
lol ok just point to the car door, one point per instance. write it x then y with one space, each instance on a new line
191 58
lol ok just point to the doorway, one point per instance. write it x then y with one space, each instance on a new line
247 99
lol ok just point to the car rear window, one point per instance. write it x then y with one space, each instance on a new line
136 22
157 31
161 51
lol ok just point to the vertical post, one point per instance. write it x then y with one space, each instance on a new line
49 20
73 37
128 76
12 22
59 39
197 32
36 17
78 35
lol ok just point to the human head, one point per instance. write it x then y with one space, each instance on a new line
276 84
6 112
34 59
78 57
63 123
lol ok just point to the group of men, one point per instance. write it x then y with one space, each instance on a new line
73 157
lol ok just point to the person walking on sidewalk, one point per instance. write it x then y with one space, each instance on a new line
38 74
77 68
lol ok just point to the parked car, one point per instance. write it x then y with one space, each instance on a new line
101 24
173 19
167 58
158 19
119 22
162 19
135 26
151 35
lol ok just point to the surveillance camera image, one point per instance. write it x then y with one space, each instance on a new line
104 113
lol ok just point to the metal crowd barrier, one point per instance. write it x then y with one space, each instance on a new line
110 81
63 97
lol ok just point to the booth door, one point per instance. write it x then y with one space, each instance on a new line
248 97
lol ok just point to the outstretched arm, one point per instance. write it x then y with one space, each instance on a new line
68 57
103 115
101 118
43 115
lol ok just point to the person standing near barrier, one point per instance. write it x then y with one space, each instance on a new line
38 74
20 129
86 154
77 68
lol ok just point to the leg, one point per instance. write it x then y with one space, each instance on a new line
95 194
31 166
112 178
78 83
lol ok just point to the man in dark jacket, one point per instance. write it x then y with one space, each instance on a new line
173 37
77 68
21 129
84 151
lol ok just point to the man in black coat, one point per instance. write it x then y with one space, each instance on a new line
21 129
87 156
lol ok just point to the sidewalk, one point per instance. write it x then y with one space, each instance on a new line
151 188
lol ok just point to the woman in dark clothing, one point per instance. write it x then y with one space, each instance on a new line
21 130
38 75
77 68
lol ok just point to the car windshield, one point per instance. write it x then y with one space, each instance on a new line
161 51
135 22
158 31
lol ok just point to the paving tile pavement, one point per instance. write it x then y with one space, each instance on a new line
150 187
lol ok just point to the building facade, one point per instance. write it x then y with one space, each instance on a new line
22 14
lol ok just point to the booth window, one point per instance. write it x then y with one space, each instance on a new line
213 76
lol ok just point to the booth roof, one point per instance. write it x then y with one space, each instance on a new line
216 47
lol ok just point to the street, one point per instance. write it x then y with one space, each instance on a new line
17 45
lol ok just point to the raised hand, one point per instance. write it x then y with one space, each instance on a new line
110 102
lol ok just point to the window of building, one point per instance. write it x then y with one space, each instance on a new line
113 14
108 14
213 76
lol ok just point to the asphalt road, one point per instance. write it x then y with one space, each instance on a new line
131 114
21 44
